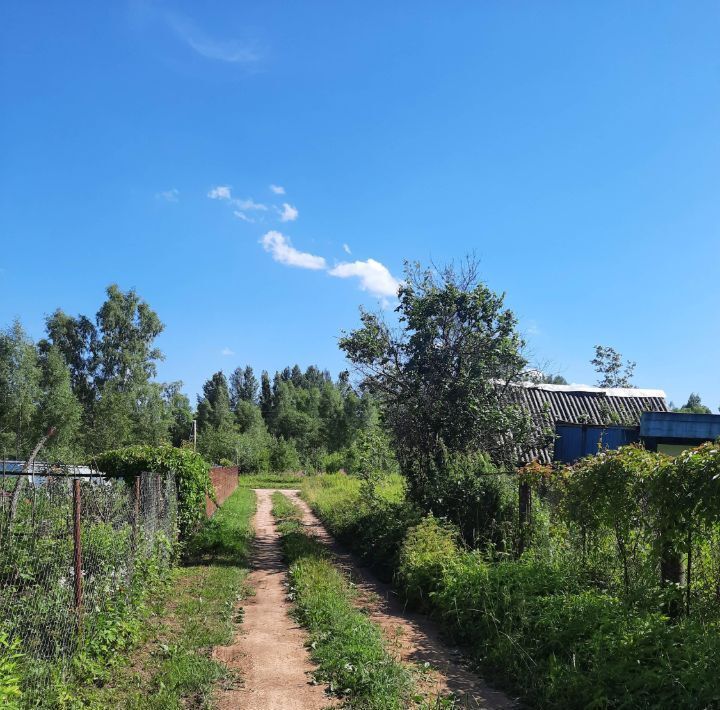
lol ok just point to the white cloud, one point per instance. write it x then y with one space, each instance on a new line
172 195
282 251
250 204
288 213
232 51
346 249
243 216
221 192
277 189
227 351
374 276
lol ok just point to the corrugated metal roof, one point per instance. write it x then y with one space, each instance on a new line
579 404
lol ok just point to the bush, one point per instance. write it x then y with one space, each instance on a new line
191 471
334 462
427 550
467 490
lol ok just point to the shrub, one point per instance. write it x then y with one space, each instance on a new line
469 491
191 472
334 462
427 550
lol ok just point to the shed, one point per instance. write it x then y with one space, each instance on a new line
574 420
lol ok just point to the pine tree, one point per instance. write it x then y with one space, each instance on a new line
265 397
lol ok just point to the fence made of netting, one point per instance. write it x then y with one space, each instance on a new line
76 547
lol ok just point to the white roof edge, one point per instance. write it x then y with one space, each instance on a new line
608 391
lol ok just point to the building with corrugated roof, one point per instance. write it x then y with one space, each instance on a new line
572 421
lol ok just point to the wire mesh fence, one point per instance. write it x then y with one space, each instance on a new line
74 548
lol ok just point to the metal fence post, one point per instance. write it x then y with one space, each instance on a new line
77 545
136 508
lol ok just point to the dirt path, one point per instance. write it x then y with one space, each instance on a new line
414 638
269 651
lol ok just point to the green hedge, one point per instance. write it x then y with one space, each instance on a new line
191 471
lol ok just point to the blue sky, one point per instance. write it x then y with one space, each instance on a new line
574 147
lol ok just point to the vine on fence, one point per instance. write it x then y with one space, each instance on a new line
191 471
646 498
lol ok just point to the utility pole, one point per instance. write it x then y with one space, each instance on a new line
194 434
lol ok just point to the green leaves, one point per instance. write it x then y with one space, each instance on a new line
439 379
191 471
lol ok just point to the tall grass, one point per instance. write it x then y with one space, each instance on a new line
348 648
174 669
546 625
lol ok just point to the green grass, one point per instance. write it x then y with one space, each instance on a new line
348 648
173 669
270 480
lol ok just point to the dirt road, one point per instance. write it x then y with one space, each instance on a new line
269 650
414 638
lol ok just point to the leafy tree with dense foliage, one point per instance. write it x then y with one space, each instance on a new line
58 408
19 392
443 376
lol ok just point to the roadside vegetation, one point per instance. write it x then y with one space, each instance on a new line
173 667
592 586
582 617
270 480
348 648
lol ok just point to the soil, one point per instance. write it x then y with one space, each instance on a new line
269 651
413 638
270 655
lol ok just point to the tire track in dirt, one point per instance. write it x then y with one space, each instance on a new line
269 650
413 638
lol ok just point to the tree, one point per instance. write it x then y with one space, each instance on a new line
609 365
58 408
265 397
442 379
214 406
19 392
243 386
77 340
180 413
553 380
694 405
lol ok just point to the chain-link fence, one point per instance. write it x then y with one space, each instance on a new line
76 547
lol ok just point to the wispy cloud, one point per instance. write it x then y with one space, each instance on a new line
288 213
375 278
232 51
249 204
277 189
172 195
282 251
227 351
243 216
221 192
346 249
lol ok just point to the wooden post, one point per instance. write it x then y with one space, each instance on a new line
77 545
671 574
525 513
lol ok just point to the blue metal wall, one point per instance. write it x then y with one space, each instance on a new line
577 440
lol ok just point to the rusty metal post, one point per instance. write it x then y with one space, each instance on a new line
77 545
136 513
